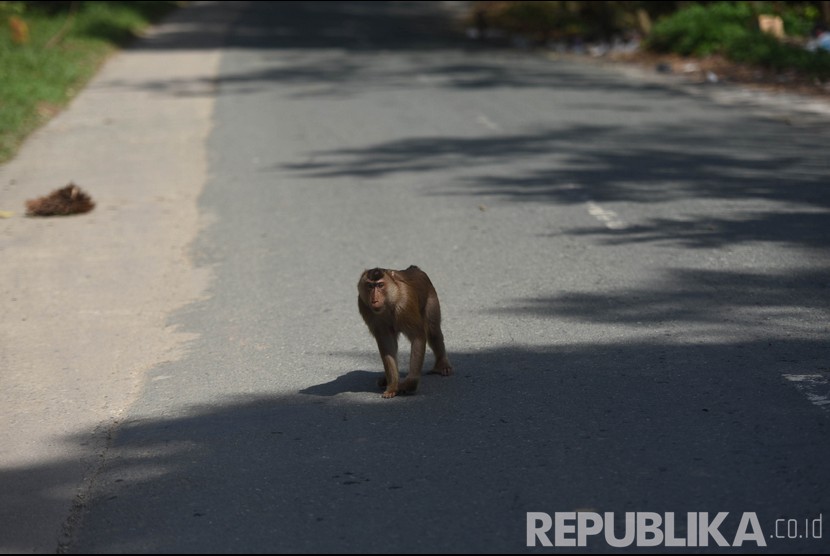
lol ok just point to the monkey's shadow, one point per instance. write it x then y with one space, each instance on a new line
354 381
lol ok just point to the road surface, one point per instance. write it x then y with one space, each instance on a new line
634 281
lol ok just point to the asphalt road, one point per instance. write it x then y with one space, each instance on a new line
634 281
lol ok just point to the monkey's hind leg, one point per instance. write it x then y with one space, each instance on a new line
416 362
442 362
435 338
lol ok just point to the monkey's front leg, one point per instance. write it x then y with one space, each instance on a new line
416 362
388 348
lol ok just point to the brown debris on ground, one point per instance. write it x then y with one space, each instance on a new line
61 202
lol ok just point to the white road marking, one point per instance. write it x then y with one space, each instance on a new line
487 122
816 387
608 217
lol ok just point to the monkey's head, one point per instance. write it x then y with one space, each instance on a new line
374 287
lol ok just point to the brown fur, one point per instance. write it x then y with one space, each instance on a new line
392 302
61 202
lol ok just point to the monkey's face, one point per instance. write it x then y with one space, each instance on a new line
376 295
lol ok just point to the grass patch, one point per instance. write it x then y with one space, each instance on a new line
61 47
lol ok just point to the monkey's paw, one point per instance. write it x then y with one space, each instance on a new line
442 368
390 394
408 386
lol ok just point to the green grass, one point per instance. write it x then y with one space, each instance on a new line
67 44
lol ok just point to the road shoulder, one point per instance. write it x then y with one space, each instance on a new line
86 299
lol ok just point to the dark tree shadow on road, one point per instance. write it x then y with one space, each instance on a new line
741 300
516 430
313 26
789 190
337 50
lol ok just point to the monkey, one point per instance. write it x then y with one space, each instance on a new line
392 302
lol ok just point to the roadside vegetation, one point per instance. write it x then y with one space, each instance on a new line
732 30
49 50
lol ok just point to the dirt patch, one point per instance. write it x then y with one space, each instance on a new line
721 70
